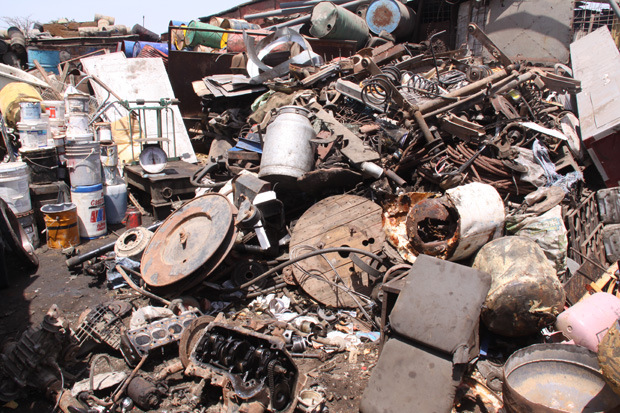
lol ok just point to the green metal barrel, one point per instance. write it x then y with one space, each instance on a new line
330 21
193 38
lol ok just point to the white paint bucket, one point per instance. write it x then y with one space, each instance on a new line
103 131
77 103
33 135
57 127
79 138
77 124
29 111
55 109
83 163
26 220
90 210
115 202
14 177
109 154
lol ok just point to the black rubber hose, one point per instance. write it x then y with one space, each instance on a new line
199 174
303 257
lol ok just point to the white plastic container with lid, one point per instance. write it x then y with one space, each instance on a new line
90 210
29 111
33 135
77 124
55 109
14 179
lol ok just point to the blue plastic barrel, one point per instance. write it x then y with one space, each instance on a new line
48 59
127 47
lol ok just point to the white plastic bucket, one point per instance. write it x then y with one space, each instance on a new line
115 202
14 178
57 127
77 103
90 210
33 135
55 109
29 111
79 138
103 131
83 163
109 154
77 124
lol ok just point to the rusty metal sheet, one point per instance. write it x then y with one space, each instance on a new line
337 221
535 31
187 240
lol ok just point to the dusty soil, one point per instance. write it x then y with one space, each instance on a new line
342 378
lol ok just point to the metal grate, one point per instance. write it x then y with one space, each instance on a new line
585 230
436 11
591 15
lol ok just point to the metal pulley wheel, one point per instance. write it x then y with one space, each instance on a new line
16 238
132 243
190 243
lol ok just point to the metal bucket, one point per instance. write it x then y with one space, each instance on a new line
330 21
390 15
193 38
287 150
109 154
83 162
77 103
554 378
43 164
61 223
77 124
103 132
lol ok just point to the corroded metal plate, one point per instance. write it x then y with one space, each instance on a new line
337 221
187 240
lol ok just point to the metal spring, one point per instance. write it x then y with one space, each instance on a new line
533 97
422 85
393 73
377 91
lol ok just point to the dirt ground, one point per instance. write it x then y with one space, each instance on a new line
342 377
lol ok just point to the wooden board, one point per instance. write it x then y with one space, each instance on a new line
337 221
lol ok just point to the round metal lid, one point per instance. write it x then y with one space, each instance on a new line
16 237
187 240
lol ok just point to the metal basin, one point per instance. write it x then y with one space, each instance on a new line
556 378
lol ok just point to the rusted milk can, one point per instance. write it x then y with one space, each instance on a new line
287 150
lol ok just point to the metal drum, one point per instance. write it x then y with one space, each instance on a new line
287 150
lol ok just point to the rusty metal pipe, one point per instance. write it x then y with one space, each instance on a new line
471 88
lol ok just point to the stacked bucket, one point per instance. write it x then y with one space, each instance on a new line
83 157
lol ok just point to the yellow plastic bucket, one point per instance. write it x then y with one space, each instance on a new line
61 222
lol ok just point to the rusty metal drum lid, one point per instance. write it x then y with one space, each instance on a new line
187 240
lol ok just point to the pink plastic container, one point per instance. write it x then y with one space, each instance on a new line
587 322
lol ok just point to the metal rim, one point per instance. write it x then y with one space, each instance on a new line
188 240
13 232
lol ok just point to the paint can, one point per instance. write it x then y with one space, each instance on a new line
30 111
61 223
77 124
77 103
109 154
33 135
14 177
90 210
55 109
103 132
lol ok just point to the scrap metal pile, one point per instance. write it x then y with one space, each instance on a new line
425 202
